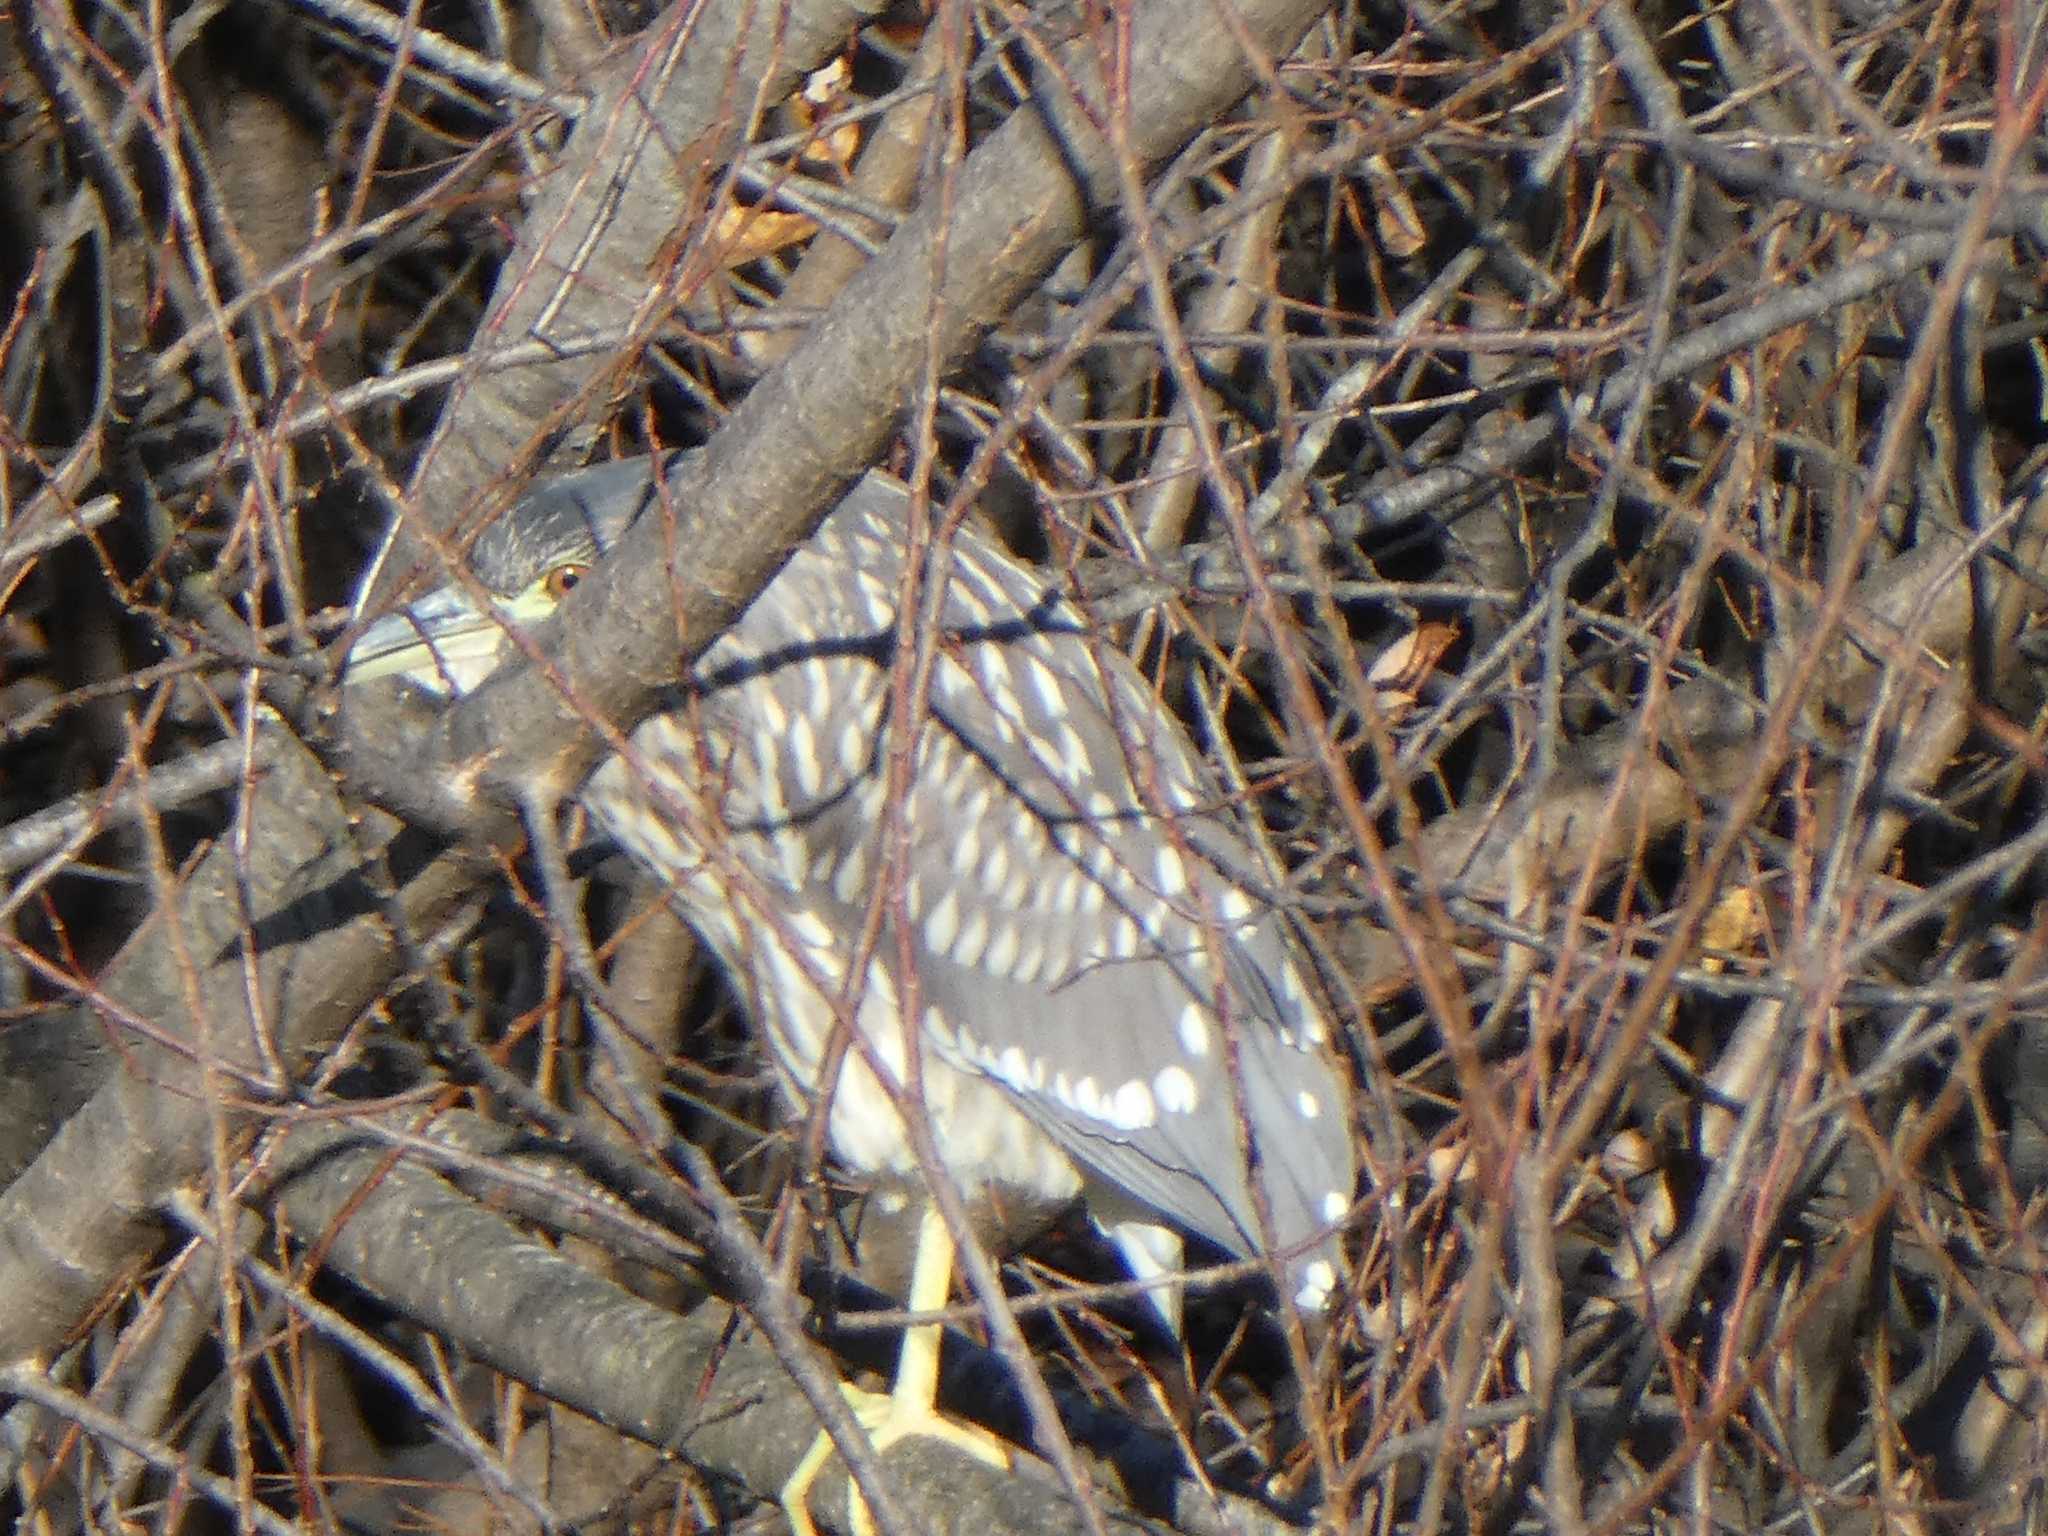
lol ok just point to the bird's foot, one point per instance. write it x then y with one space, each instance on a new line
887 1418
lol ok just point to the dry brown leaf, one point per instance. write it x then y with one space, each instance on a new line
1397 673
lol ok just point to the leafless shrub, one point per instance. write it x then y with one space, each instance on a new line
1578 471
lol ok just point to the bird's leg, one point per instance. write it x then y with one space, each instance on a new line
910 1407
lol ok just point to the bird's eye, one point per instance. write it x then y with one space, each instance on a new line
562 580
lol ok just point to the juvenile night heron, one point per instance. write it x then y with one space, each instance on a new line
1103 1010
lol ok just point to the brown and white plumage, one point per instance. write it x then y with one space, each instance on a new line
1103 1009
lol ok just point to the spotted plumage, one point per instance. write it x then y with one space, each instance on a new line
1102 1008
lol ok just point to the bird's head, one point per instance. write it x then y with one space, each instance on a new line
525 562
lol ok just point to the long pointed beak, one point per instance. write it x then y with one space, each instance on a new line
443 643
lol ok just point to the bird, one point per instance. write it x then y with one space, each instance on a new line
1105 1009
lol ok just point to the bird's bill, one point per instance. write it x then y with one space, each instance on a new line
443 643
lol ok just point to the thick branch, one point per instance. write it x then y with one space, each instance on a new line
635 174
692 1384
953 269
176 1008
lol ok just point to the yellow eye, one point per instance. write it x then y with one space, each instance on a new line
562 580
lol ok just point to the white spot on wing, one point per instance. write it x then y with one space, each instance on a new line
1317 1281
849 880
1013 1068
966 851
1002 950
1045 684
973 938
967 592
1308 1104
1030 961
803 756
1172 872
1073 755
1132 1108
853 747
881 601
1016 892
1194 1030
791 851
1124 938
942 925
1176 1091
995 679
1335 1204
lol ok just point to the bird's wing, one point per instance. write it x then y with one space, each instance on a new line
1078 922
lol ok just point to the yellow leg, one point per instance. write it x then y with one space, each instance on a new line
909 1408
